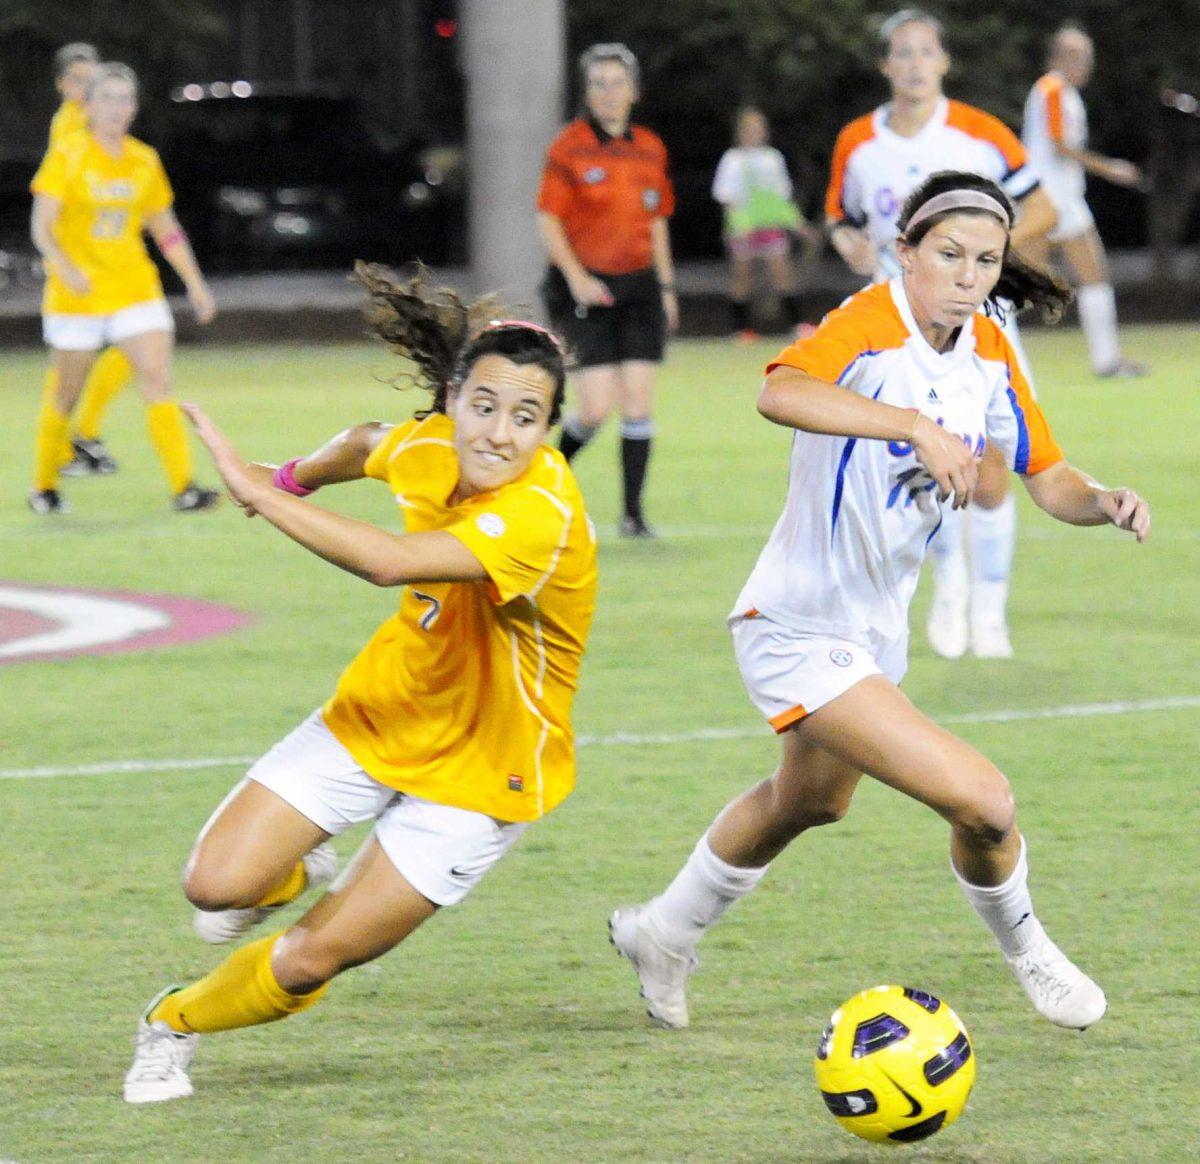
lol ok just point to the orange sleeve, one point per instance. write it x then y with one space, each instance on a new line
990 129
851 137
557 190
1042 450
863 324
666 191
1054 112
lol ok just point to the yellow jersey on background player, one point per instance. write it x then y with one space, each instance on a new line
105 202
493 735
69 118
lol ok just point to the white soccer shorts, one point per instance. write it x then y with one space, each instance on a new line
788 674
90 333
441 851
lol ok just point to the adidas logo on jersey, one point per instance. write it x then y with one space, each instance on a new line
933 397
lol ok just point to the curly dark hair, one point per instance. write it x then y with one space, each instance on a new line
1021 283
445 336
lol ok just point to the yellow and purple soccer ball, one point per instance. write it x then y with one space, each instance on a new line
895 1065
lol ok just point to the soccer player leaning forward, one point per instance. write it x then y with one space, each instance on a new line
451 729
821 628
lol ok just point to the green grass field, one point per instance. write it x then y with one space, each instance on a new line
507 1030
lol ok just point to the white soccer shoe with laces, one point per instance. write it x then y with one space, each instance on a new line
663 973
161 1058
1059 990
227 925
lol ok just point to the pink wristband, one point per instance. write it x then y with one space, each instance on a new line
170 239
285 479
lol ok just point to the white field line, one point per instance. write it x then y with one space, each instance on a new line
637 739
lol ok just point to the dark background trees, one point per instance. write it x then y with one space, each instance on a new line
809 63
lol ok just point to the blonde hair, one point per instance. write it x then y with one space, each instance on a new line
111 71
71 54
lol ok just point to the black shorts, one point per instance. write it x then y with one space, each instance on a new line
633 328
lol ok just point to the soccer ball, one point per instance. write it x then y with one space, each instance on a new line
894 1064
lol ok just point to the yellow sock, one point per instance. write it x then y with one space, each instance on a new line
50 400
241 992
52 427
110 373
165 421
289 888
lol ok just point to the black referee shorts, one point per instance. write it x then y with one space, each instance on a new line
633 328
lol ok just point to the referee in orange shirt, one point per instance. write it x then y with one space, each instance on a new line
602 212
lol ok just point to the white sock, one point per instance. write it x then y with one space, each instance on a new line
1098 318
1007 909
702 891
949 556
993 534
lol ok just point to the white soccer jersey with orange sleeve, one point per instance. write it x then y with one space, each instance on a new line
844 557
1055 115
874 169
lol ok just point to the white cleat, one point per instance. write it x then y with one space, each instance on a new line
1059 990
227 925
161 1058
663 973
989 639
947 627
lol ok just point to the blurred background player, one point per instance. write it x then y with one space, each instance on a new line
74 66
820 630
94 193
451 730
878 160
761 216
603 207
1055 133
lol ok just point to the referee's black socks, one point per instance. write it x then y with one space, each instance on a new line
636 439
575 434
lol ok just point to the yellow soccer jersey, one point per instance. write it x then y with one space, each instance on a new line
464 696
104 203
68 119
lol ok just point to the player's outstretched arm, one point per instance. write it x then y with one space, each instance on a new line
376 555
1071 496
344 458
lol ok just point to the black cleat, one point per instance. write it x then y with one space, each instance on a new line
195 498
635 527
92 459
47 501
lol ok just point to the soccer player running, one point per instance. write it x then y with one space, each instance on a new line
879 159
85 453
451 729
820 629
603 207
93 195
1055 133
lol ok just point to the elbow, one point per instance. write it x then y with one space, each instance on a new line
769 403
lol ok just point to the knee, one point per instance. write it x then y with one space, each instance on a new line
989 817
212 889
593 414
793 815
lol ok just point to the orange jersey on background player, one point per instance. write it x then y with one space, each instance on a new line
69 118
607 192
464 696
105 201
874 169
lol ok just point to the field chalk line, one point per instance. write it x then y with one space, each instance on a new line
635 739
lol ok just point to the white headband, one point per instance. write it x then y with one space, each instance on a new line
959 200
